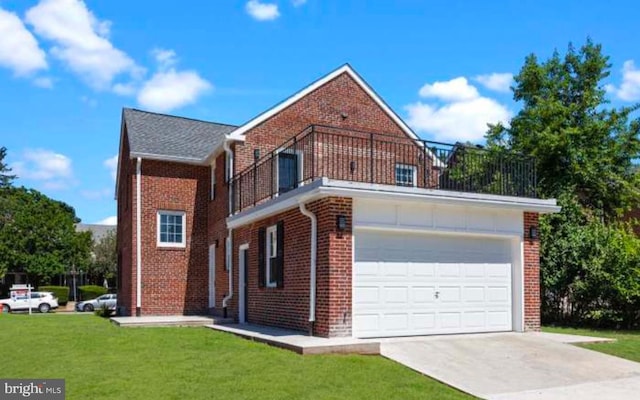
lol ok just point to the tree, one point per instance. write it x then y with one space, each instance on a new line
5 178
581 145
38 236
584 151
105 258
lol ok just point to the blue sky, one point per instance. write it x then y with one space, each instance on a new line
67 67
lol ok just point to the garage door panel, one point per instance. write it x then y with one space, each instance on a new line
366 295
422 269
429 284
395 268
473 294
423 321
423 294
396 295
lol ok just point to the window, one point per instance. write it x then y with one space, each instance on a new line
213 181
171 229
405 175
271 256
288 170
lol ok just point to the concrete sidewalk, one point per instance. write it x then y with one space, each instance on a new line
519 366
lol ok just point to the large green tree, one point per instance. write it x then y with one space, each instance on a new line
581 145
105 258
5 177
38 236
585 151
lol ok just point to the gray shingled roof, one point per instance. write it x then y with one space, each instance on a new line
161 135
98 231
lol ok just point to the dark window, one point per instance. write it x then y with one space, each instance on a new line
287 171
171 228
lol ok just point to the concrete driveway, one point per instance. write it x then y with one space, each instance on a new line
518 366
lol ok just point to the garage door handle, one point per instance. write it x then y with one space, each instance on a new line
437 295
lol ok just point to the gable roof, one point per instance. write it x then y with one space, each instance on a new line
171 138
98 231
346 68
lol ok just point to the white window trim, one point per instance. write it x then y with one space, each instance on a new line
184 228
414 171
212 276
212 195
300 158
268 256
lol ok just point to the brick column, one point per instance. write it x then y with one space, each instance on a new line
531 275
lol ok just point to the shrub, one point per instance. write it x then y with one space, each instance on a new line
103 312
90 292
61 292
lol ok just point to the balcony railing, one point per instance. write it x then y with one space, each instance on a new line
357 156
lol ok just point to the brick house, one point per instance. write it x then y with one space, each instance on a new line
327 214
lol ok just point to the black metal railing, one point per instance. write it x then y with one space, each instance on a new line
342 154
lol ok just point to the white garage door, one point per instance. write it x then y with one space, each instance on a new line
419 284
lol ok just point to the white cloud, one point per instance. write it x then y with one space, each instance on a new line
112 165
19 50
171 89
97 194
54 170
298 3
499 82
453 90
458 113
81 41
108 221
165 58
629 89
262 11
43 82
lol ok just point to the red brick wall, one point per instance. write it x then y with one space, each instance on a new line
174 280
531 275
125 241
218 210
288 307
324 106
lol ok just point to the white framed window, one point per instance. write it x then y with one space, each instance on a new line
406 175
171 228
213 181
271 255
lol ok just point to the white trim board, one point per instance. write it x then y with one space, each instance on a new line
327 187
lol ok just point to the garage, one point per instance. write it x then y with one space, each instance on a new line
416 283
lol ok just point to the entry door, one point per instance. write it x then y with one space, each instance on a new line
419 284
244 283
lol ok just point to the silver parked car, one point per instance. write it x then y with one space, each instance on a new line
108 300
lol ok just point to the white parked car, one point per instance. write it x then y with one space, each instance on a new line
106 300
41 301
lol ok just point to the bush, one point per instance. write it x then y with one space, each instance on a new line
90 292
104 312
61 292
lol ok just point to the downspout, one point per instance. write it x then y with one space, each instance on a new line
229 251
312 274
138 238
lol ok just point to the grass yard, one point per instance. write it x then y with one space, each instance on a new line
626 346
101 361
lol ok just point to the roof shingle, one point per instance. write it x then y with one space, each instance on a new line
171 137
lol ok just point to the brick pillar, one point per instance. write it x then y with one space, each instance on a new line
531 275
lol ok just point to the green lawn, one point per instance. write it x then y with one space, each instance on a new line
627 344
101 361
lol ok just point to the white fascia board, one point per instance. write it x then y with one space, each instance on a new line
162 157
326 187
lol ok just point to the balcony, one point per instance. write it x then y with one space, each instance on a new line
364 157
